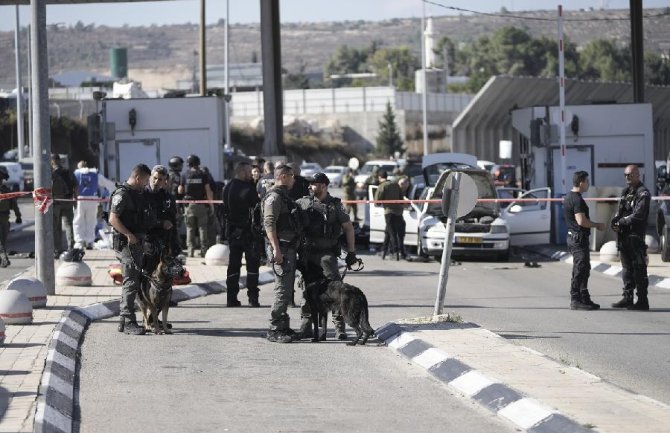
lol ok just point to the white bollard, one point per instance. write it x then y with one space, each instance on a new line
217 255
74 274
652 244
15 308
608 252
32 288
2 332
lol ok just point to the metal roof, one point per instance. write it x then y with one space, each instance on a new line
487 119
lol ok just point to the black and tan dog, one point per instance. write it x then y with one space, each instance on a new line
156 291
326 295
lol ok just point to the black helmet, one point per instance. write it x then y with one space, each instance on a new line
176 163
193 161
4 174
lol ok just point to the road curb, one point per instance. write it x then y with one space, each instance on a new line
613 270
525 412
55 403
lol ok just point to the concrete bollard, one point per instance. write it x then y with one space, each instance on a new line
2 332
608 252
74 274
15 308
217 255
32 288
652 244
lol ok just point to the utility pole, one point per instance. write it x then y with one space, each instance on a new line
19 90
44 244
203 53
226 76
424 103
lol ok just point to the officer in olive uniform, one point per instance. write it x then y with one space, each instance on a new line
239 200
63 186
630 224
197 214
283 233
130 216
327 219
6 205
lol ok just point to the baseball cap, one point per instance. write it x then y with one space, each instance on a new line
319 178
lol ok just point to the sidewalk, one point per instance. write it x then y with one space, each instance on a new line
27 347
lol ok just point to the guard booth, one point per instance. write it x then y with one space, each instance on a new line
600 139
151 131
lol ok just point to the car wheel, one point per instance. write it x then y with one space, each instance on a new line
665 245
419 248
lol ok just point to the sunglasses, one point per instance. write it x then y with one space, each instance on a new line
629 174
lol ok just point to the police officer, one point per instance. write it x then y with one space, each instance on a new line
576 214
130 216
326 218
267 180
301 185
176 184
630 224
239 200
63 186
395 223
197 214
163 234
6 205
283 233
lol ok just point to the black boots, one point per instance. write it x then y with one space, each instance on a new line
642 304
625 302
129 326
583 302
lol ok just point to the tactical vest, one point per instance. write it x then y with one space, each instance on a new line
629 199
195 184
138 216
287 221
175 181
323 223
61 184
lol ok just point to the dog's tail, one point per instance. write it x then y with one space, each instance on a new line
365 318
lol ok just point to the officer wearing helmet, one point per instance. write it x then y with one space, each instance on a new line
176 183
6 205
197 187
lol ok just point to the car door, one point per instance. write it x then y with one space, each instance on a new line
411 215
529 221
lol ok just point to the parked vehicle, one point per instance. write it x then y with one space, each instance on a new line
15 181
488 230
366 171
28 174
335 174
485 165
308 169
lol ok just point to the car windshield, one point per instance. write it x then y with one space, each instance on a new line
309 166
333 170
434 171
367 168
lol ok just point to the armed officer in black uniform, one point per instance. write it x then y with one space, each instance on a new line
164 232
630 224
318 256
130 216
576 214
239 200
197 214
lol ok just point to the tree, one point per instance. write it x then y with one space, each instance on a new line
657 69
297 80
347 60
388 139
403 64
601 59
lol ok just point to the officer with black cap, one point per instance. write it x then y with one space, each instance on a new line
630 224
197 214
325 219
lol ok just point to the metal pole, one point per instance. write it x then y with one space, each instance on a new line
448 241
19 91
227 74
203 54
561 97
424 104
44 244
31 150
273 108
637 49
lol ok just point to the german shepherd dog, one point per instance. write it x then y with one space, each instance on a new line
156 291
324 295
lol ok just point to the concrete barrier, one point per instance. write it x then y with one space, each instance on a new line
217 255
32 288
15 308
73 274
608 252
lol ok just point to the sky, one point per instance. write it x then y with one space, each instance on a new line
247 11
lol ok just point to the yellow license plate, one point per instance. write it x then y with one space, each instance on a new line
468 240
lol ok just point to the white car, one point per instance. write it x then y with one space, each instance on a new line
368 168
335 174
15 181
488 230
309 169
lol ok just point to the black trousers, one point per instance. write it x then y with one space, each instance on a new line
394 238
633 254
581 264
242 242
